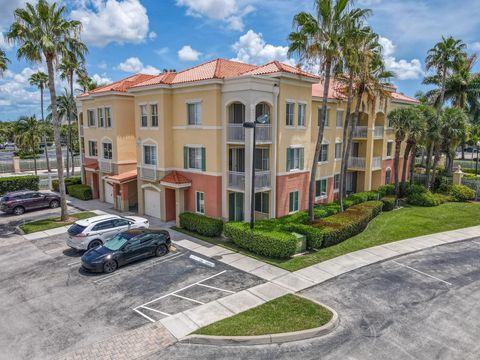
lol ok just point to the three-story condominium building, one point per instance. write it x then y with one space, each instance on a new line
177 142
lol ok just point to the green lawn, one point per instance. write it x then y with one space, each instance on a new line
53 222
284 314
390 226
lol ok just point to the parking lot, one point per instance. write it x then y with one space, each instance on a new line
51 306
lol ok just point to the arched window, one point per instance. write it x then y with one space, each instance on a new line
236 113
262 109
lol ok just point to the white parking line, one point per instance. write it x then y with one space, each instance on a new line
74 263
155 310
145 316
421 272
216 288
187 298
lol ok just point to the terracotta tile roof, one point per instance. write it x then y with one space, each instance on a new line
121 85
175 178
129 175
334 91
91 164
277 67
404 98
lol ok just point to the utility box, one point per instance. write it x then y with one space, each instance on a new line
301 243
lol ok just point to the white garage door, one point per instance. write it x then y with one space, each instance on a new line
152 203
108 193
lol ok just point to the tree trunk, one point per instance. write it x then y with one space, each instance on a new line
321 128
344 164
412 161
58 143
396 163
406 154
435 164
34 158
44 138
423 159
463 151
429 162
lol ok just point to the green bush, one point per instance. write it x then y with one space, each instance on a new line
201 224
298 217
415 189
313 234
425 198
324 210
388 203
82 192
15 183
444 188
275 244
462 193
74 180
361 197
386 190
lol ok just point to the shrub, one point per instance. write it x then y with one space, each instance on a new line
386 190
74 180
415 189
362 197
201 224
445 188
322 211
15 183
443 198
275 244
462 193
298 217
388 203
82 192
313 234
425 198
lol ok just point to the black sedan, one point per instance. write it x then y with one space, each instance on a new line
126 247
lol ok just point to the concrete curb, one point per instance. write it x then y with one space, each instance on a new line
270 338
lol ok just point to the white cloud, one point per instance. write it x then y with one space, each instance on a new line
4 44
186 53
134 65
101 79
403 69
152 35
106 21
8 7
251 48
228 11
475 46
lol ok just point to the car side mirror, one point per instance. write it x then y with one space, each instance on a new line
126 249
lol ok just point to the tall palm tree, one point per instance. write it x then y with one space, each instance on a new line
42 32
428 117
3 61
85 81
317 39
40 79
28 135
454 121
65 107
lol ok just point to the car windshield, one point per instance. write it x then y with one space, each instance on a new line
117 241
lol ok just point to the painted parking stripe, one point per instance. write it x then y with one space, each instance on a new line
216 288
155 310
74 263
145 316
189 299
421 272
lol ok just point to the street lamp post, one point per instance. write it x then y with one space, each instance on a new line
262 119
476 164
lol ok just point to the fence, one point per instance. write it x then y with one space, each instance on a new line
6 167
29 164
472 184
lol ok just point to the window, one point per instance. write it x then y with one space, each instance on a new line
91 118
295 159
154 114
194 158
389 148
149 154
336 182
200 202
323 153
338 150
143 116
321 188
237 113
194 114
92 148
301 114
388 176
293 200
327 120
107 151
262 109
108 117
236 160
101 122
261 159
262 202
290 114
121 222
339 120
104 225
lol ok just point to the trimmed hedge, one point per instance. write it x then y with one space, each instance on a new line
388 203
462 193
201 224
15 183
425 198
275 244
386 190
74 180
82 192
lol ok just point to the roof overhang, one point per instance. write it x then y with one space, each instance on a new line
175 186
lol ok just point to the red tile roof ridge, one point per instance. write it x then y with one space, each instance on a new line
174 177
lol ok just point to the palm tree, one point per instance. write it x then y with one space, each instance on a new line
317 40
65 107
3 61
416 128
40 79
454 128
28 135
428 117
85 82
42 32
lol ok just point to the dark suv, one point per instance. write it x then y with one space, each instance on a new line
18 202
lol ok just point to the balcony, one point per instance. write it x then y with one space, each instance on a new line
148 173
236 133
360 132
356 163
376 163
236 180
106 166
264 133
262 179
378 132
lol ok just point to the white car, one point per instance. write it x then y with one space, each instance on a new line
89 233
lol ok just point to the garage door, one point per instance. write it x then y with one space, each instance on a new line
152 203
108 193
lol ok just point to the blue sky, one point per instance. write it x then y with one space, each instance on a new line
126 36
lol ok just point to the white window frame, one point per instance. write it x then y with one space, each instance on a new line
262 202
155 154
296 157
301 105
391 149
320 197
339 111
198 112
96 146
101 117
340 152
200 206
320 161
143 116
198 149
288 115
152 114
110 117
103 150
298 202
94 118
338 188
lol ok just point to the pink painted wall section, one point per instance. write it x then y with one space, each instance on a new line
331 196
170 204
389 164
287 184
208 184
91 179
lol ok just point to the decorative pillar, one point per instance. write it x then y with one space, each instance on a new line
248 164
16 165
179 205
457 176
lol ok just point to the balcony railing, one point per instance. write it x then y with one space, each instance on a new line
377 163
106 166
236 180
360 132
378 132
236 133
264 132
262 179
356 163
148 173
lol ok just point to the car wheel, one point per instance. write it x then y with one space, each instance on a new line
110 266
19 210
94 243
54 204
161 250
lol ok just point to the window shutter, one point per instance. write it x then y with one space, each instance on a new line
289 159
185 157
301 159
204 165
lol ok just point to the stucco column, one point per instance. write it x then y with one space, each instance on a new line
274 122
249 117
179 204
16 164
101 186
369 153
457 176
